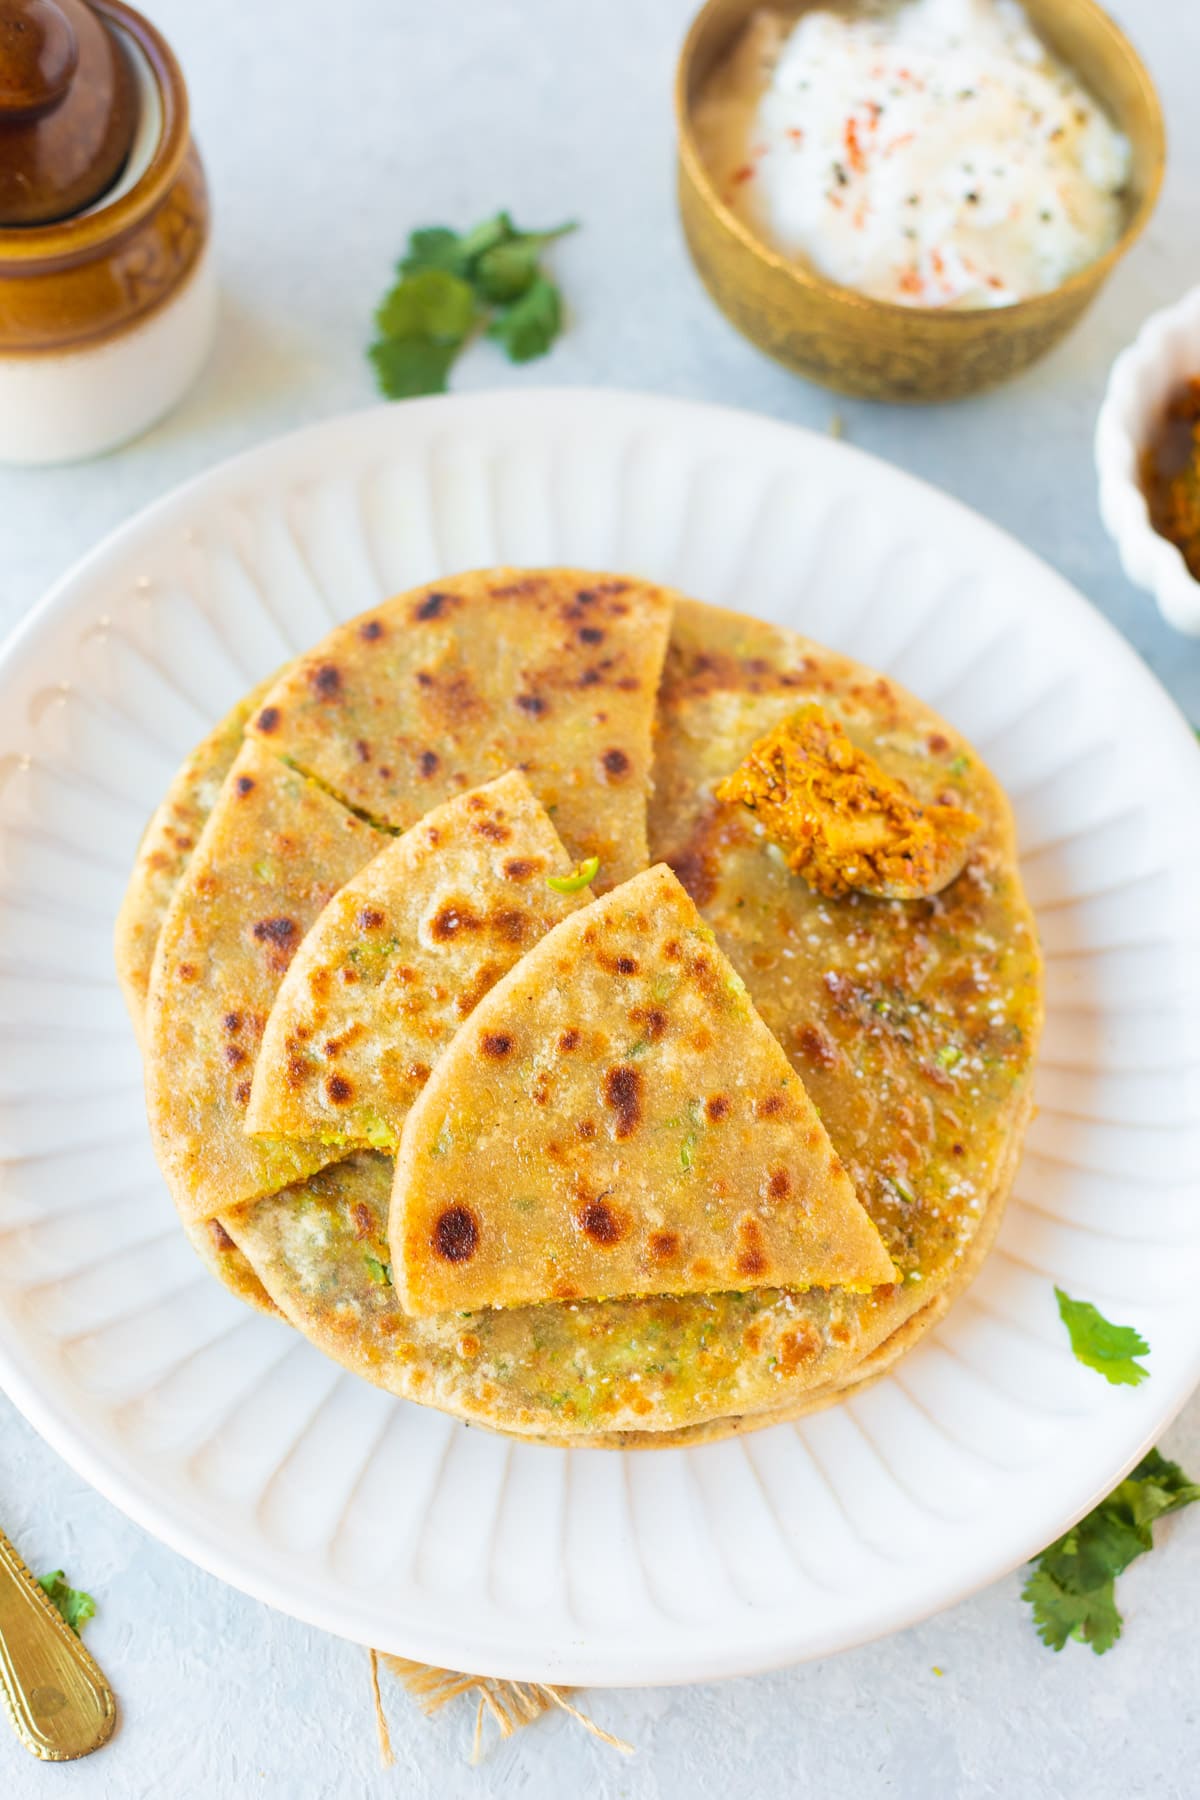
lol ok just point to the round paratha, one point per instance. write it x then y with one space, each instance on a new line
912 1024
606 1374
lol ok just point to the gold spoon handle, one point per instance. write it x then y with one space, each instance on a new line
61 1705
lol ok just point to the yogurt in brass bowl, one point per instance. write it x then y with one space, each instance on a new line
915 200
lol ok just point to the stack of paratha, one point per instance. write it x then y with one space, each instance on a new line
520 1072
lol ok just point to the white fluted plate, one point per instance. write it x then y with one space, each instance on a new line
231 1438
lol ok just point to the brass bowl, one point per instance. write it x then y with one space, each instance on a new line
873 348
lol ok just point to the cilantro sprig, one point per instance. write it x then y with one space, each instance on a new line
75 1606
449 287
1072 1589
1099 1344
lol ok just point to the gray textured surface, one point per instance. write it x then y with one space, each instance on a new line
326 133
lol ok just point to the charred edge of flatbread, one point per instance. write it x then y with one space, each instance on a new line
222 1259
899 1327
164 851
139 925
877 1361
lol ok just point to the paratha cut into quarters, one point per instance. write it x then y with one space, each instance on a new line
615 1120
907 1004
274 851
166 846
552 671
399 958
913 1023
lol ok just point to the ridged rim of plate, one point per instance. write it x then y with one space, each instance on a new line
799 1540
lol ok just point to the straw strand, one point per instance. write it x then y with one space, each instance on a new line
512 1704
381 1724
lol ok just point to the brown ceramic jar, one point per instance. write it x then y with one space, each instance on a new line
107 293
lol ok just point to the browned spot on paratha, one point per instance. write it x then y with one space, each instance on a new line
426 928
510 1119
482 673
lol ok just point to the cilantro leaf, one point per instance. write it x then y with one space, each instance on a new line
1090 1618
430 304
379 1271
1156 1486
506 271
1098 1344
432 247
405 367
484 237
1072 1587
530 325
75 1606
449 283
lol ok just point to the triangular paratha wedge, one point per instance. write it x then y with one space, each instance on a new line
399 958
166 847
913 1024
550 671
274 850
615 1119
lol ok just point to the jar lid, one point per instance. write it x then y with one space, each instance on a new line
68 109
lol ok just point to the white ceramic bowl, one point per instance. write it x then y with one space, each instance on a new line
1164 353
